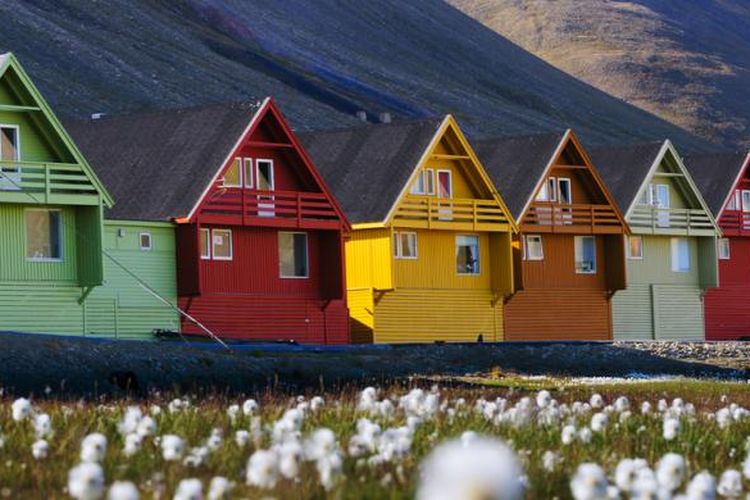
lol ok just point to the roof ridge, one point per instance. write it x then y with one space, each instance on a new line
170 110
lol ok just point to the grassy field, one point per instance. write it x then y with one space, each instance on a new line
363 461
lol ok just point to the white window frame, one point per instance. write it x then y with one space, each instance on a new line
268 161
398 247
675 253
526 255
745 207
734 200
552 189
236 162
429 174
231 244
630 248
150 241
419 188
207 232
10 177
245 162
560 182
576 239
724 249
543 194
479 254
60 233
307 257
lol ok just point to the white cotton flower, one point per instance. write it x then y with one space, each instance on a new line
550 459
316 403
724 418
645 408
622 404
242 437
730 484
543 399
645 485
263 469
568 434
585 435
627 471
123 490
670 472
287 426
21 409
189 489
130 420
177 405
486 468
132 445
394 443
702 487
42 425
746 467
219 488
40 449
599 422
320 444
233 411
596 401
155 410
367 399
330 469
86 481
249 407
196 456
468 437
93 447
589 483
671 428
146 427
214 440
290 454
172 447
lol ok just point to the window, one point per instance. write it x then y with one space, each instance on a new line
566 192
532 248
265 175
205 247
248 172
635 247
680 255
467 254
544 192
293 261
233 175
405 245
724 248
9 152
585 250
745 200
44 235
424 183
734 200
645 198
221 244
145 241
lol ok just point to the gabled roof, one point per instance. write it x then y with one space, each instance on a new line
368 166
625 169
159 164
7 61
517 164
717 175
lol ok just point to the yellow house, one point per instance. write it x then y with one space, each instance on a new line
429 257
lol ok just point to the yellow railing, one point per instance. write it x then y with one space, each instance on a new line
430 212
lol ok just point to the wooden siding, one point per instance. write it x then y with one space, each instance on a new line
361 314
558 314
727 308
369 259
41 308
425 315
679 312
632 313
557 270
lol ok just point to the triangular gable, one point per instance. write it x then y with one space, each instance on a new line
268 108
9 63
568 139
668 160
742 173
472 166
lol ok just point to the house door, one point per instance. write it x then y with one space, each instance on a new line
661 201
745 208
445 191
266 207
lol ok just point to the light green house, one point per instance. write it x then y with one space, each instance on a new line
57 255
671 254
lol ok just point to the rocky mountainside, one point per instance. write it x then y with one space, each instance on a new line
322 60
685 61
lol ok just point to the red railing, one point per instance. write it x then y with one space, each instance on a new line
561 217
250 206
735 221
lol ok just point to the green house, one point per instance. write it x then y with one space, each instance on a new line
62 268
671 254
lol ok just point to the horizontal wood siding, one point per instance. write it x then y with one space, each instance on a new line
727 308
632 313
557 270
41 308
368 259
679 313
558 314
656 265
423 315
361 314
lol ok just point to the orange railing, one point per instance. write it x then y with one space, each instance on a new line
555 217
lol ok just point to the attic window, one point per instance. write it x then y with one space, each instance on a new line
9 152
424 184
233 175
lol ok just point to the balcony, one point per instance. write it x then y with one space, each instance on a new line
426 212
250 207
571 218
48 183
735 223
672 221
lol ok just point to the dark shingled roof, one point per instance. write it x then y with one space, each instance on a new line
367 167
715 175
158 164
515 165
624 168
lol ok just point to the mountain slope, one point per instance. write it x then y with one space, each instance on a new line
688 62
322 61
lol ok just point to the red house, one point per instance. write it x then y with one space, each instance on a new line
724 180
259 238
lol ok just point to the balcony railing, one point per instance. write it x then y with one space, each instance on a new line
270 208
25 182
450 213
735 223
571 218
656 220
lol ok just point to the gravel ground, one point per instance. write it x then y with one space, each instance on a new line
727 354
86 367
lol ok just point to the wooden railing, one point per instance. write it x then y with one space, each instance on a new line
735 222
450 213
44 182
254 207
670 220
557 217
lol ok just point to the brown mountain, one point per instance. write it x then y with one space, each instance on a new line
685 61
